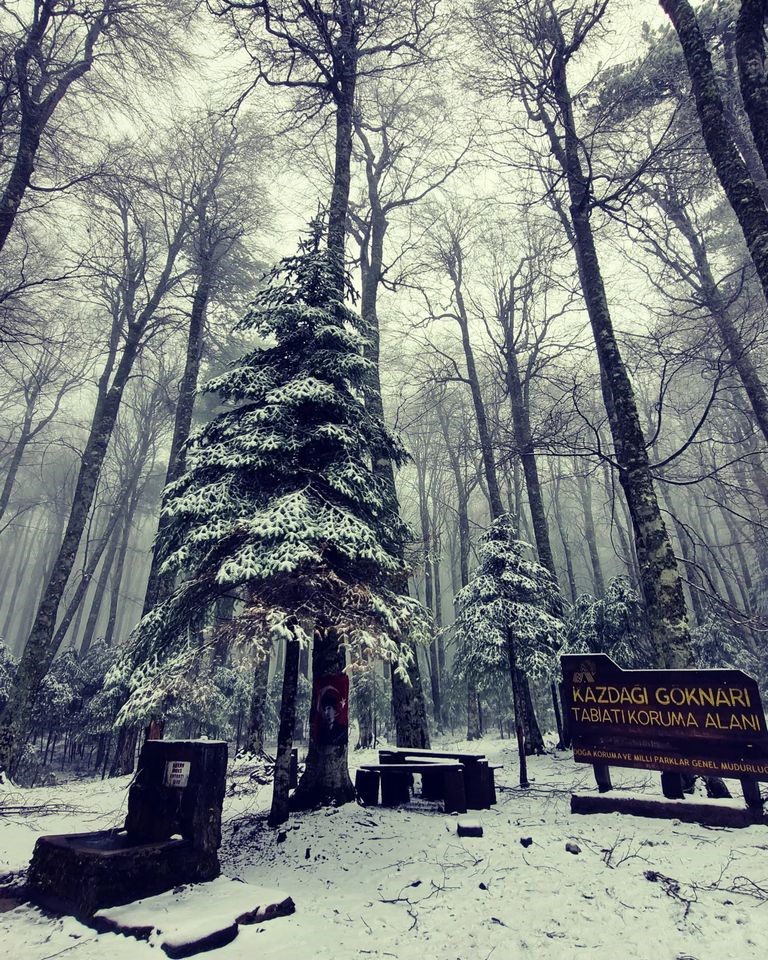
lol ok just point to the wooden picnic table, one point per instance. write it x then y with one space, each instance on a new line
479 784
445 780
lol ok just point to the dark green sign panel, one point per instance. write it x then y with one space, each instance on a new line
705 722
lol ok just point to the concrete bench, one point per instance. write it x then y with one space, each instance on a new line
444 781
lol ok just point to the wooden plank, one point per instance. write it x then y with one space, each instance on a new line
410 767
603 777
427 754
712 814
751 790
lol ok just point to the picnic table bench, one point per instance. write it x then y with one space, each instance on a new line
444 780
479 775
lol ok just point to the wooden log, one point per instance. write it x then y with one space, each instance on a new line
367 787
709 814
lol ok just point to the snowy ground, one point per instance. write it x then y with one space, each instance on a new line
371 883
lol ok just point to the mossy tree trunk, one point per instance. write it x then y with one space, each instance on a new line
660 581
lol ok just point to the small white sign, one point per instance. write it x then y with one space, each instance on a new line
176 773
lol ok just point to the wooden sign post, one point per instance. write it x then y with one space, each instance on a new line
699 722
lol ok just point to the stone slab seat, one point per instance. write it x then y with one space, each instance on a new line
192 919
445 779
79 873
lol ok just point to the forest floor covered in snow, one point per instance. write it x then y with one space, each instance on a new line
372 882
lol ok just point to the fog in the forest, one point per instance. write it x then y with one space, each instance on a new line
564 324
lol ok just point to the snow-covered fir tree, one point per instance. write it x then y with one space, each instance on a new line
510 612
612 625
718 643
280 505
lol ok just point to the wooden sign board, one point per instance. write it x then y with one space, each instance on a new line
702 722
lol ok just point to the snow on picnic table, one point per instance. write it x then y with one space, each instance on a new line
371 882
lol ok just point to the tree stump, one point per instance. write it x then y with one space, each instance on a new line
184 799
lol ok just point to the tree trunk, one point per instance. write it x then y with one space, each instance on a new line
564 539
533 739
660 581
279 812
16 457
518 698
585 495
125 752
426 539
257 713
345 99
22 565
732 172
473 712
524 440
157 585
119 566
326 775
439 640
462 500
750 56
21 174
409 709
408 705
738 351
483 431
365 705
97 600
683 540
627 549
115 516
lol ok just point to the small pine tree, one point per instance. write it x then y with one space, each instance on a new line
280 504
509 614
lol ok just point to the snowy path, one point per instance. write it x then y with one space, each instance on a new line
372 883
